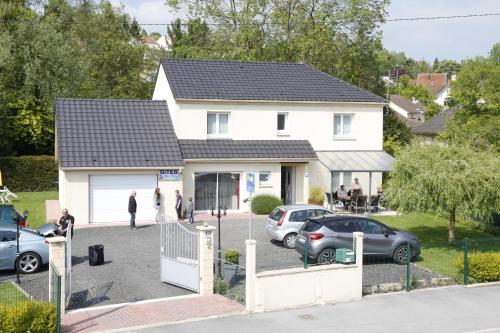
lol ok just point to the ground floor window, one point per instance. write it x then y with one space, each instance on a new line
341 178
214 190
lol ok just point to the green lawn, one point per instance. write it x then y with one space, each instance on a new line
34 202
10 295
437 254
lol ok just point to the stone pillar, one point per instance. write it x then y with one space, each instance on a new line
358 249
250 292
57 258
206 259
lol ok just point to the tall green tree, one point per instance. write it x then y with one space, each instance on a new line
445 179
408 91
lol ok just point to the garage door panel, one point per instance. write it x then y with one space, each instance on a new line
109 197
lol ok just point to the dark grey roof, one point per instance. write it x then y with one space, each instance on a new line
435 125
240 80
412 123
115 133
246 149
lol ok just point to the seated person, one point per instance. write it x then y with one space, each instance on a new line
342 195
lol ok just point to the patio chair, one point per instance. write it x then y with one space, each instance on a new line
5 195
358 202
375 204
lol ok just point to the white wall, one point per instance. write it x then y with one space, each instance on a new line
254 121
74 191
442 96
398 109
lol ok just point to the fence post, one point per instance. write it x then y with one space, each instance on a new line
58 305
466 263
357 246
250 280
57 257
408 260
206 259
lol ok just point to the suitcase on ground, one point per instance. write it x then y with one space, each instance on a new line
96 255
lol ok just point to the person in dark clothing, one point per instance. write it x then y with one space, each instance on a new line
132 209
178 205
66 221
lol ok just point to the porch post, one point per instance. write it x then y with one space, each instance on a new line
370 193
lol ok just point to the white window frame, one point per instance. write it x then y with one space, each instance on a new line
283 132
217 124
350 136
268 183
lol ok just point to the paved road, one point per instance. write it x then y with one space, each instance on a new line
443 310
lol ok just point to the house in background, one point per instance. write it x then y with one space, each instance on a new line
428 131
438 84
163 42
211 124
411 112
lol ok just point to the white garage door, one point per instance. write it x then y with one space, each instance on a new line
109 197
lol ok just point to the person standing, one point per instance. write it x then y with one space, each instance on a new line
157 204
190 209
132 209
178 205
356 187
66 221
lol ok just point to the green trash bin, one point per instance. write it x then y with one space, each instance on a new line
345 256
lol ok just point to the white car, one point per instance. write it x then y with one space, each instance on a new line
284 222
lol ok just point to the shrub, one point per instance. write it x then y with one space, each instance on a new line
483 267
33 317
316 195
29 173
232 256
221 286
265 203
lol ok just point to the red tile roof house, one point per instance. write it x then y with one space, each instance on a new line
438 84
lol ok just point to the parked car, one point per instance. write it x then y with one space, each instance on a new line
328 233
34 249
284 222
9 215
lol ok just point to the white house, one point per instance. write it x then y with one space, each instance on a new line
438 84
290 124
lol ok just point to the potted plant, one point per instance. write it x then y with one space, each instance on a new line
231 263
316 195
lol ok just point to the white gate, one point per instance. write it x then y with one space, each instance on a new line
179 255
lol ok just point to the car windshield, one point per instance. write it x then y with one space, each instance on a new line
311 226
276 214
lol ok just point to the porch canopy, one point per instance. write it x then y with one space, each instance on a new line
357 161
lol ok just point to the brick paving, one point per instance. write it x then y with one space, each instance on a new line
154 312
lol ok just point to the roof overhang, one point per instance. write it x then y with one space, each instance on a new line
356 161
110 168
256 160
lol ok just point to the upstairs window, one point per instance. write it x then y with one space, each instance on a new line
281 123
217 123
342 125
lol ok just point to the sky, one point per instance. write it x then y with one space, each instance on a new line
455 39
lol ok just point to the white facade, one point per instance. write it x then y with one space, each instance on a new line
443 95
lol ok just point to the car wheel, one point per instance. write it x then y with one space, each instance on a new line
29 263
289 240
400 254
327 256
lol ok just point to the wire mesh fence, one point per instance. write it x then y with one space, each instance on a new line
29 289
273 255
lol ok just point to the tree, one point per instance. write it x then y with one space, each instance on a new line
408 91
396 133
446 66
475 98
445 179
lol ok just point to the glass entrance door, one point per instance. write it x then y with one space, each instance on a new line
214 190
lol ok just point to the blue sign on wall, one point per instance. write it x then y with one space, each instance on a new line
251 182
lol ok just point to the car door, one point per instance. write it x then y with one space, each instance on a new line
7 249
375 242
342 232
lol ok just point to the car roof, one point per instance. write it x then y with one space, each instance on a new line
339 217
298 207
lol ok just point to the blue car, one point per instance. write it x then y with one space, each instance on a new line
9 215
34 249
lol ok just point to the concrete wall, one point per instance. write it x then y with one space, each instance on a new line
286 288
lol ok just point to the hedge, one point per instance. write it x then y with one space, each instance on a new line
265 203
483 266
33 317
29 173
